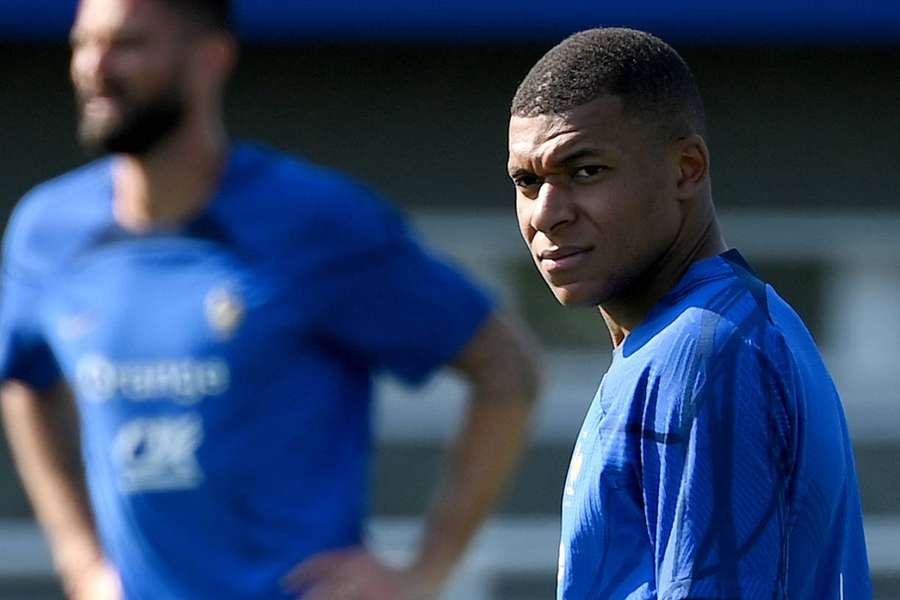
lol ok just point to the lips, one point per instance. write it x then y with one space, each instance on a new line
100 103
103 96
562 258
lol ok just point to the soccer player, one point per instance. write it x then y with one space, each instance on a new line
217 309
714 461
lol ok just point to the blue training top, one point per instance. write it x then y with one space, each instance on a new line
714 461
223 368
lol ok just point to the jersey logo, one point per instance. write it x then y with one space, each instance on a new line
158 454
183 381
575 467
224 311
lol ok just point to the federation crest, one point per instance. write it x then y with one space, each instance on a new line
575 467
224 311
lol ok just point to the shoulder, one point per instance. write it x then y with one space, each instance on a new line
730 331
709 370
51 218
293 201
720 334
719 304
744 365
296 186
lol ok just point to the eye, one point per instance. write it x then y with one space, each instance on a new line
128 42
526 180
589 172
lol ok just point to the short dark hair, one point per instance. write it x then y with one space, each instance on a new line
649 76
208 14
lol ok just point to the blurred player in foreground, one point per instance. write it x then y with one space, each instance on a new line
217 309
714 461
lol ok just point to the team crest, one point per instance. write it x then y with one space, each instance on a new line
224 311
575 468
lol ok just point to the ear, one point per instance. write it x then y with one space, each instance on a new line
693 165
219 53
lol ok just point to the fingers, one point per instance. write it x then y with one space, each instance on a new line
335 590
322 567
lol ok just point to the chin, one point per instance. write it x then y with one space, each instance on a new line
574 295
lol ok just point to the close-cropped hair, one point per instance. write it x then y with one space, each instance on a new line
213 15
653 82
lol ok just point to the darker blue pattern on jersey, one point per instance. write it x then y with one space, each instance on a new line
714 461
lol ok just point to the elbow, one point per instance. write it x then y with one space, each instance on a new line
510 369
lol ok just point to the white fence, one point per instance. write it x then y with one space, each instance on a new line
505 547
861 256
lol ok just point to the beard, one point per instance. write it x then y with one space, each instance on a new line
140 126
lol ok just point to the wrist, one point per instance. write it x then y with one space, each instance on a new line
75 557
427 580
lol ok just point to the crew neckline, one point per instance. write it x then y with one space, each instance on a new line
214 198
701 272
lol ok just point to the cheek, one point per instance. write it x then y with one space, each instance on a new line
150 72
603 211
623 225
80 67
662 214
652 228
149 66
523 215
642 209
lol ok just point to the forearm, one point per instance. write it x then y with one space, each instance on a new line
477 467
504 385
42 431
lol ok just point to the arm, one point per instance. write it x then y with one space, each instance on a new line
501 369
42 429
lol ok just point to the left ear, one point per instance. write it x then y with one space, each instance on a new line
692 157
218 56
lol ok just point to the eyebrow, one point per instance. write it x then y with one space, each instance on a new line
578 154
565 159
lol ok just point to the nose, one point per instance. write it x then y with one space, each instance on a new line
552 209
89 63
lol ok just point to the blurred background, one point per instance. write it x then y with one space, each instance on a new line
803 101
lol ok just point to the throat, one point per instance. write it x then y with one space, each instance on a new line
617 332
150 194
626 312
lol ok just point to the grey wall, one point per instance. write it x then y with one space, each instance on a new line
790 128
804 128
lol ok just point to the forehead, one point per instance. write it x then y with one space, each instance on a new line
97 16
600 123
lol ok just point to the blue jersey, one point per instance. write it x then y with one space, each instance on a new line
223 368
714 461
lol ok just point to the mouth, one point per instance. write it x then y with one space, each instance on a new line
101 99
562 258
100 105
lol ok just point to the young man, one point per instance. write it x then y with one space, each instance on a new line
217 310
714 461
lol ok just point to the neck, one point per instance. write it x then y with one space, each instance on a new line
173 181
625 312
